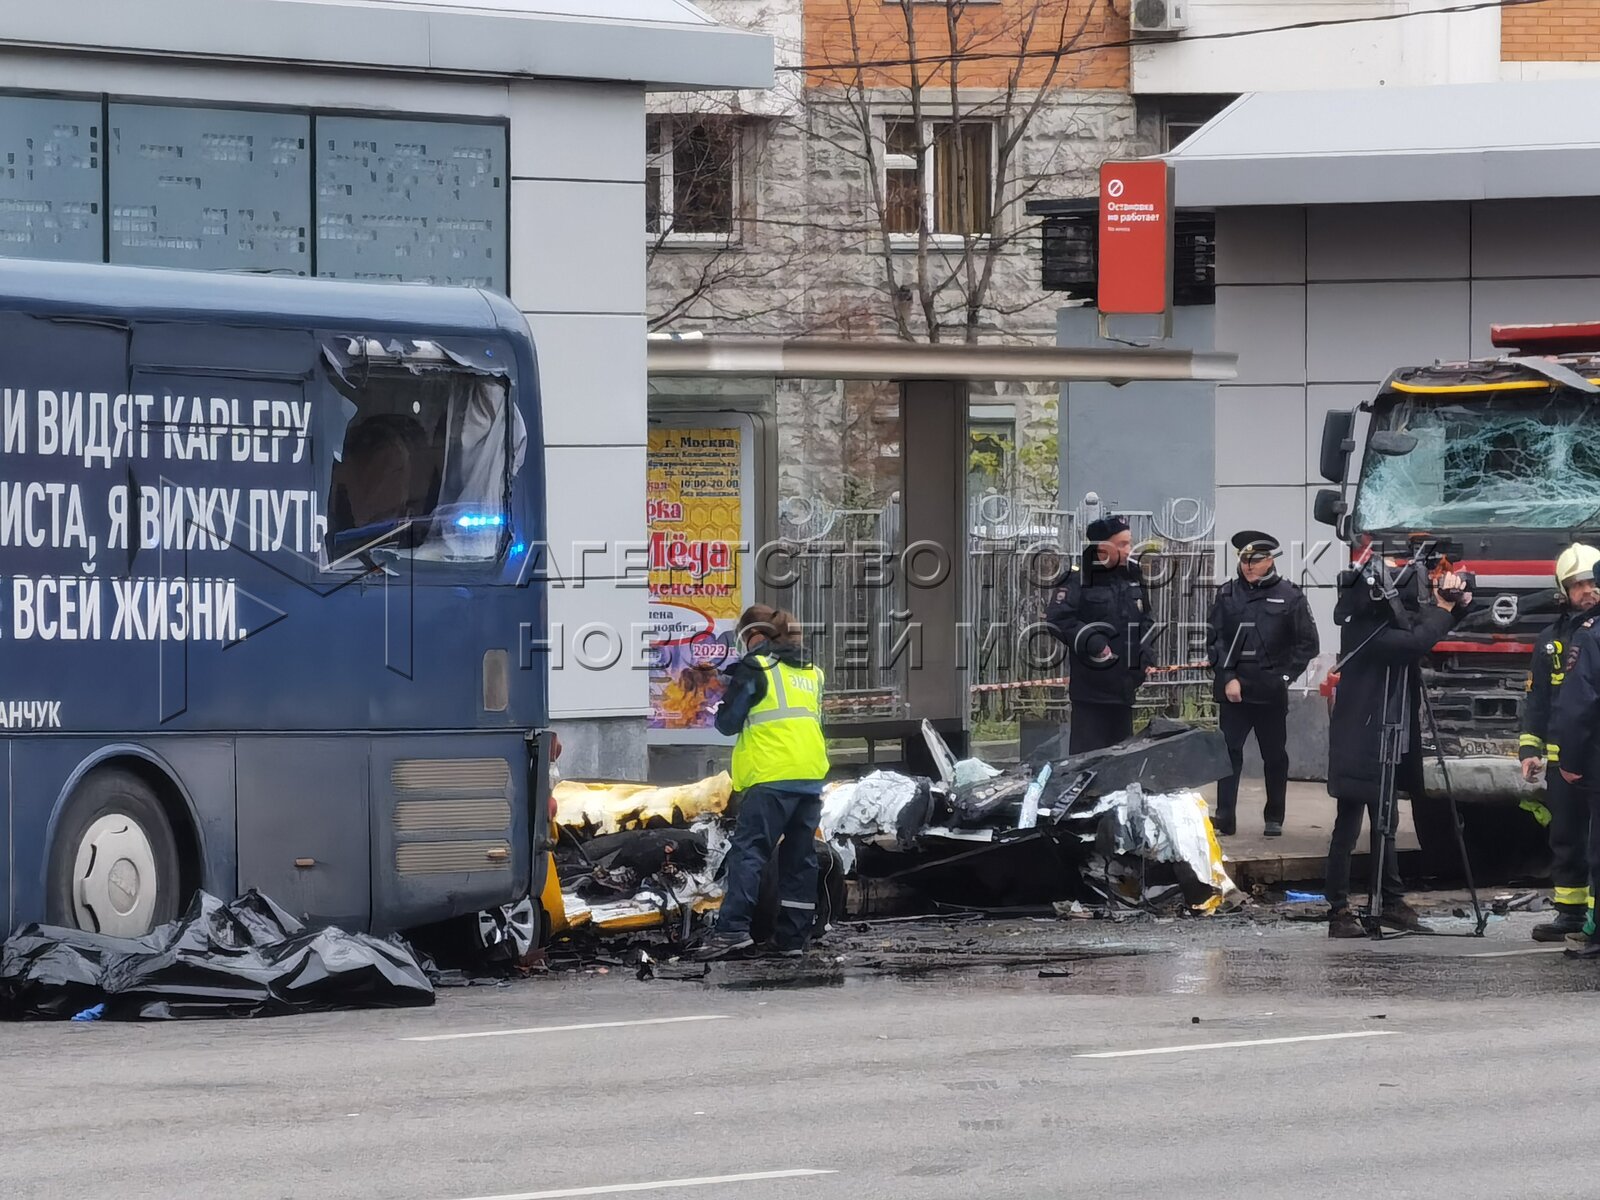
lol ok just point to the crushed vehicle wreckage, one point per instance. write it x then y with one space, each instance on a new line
1119 828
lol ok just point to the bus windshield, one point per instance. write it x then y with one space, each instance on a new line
428 457
1506 459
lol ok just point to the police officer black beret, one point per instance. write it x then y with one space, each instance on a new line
1253 543
1106 528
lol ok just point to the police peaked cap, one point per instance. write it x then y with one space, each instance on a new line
1106 528
1253 543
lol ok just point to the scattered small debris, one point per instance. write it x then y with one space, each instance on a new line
1057 973
1194 1020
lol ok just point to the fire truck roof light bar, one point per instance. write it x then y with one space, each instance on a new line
1574 338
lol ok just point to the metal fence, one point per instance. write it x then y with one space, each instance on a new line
837 557
1016 552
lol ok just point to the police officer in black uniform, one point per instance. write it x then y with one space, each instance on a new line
1102 617
1262 639
1565 811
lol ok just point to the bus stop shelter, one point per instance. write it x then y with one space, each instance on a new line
697 378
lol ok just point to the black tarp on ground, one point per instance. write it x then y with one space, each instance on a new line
244 958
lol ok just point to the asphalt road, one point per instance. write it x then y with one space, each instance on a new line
1435 1071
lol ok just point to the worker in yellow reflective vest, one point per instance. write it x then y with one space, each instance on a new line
1566 811
773 702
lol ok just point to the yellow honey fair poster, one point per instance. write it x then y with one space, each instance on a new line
694 504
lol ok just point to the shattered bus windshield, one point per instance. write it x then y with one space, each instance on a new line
428 456
1513 459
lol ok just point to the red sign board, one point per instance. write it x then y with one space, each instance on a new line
1135 238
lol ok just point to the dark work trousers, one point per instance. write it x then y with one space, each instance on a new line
1346 831
1096 726
1271 725
1569 841
767 813
1590 797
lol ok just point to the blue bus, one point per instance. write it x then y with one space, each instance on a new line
266 614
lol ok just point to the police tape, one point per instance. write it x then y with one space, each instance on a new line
1062 681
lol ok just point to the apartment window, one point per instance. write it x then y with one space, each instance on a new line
691 176
991 453
942 180
1177 130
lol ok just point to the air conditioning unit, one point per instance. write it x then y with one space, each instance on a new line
1160 16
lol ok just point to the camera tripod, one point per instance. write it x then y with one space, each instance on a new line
1395 739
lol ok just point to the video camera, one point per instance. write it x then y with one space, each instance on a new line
1423 559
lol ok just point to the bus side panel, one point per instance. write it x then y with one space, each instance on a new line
449 826
199 777
303 826
7 883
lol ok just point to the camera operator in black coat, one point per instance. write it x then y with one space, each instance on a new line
1377 645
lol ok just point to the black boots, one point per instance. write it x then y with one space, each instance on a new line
1566 921
1342 923
1397 914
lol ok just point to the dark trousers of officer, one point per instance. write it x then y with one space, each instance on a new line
1589 797
773 817
1569 838
1271 726
1096 726
1346 832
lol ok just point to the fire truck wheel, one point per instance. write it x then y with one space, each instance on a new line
114 866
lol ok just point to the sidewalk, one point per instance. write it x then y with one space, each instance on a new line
1301 853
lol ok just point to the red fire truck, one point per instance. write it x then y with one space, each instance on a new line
1501 458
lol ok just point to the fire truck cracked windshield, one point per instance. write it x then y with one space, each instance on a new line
1502 459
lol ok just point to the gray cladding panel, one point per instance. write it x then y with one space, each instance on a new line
1362 331
1528 238
1261 245
210 188
51 162
1387 241
413 201
1256 429
1266 327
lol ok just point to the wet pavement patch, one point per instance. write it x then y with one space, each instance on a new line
1225 959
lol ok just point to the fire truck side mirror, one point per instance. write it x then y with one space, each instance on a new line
1328 507
1338 440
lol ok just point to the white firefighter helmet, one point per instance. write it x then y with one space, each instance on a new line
1576 564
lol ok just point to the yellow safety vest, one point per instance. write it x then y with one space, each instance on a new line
782 736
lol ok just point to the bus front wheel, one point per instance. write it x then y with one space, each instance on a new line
114 866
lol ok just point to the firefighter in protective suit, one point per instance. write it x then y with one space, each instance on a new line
1542 744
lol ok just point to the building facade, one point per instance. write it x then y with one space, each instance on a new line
880 190
496 146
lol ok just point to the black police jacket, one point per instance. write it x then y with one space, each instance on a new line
1576 712
1355 727
1545 676
1102 617
1263 635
